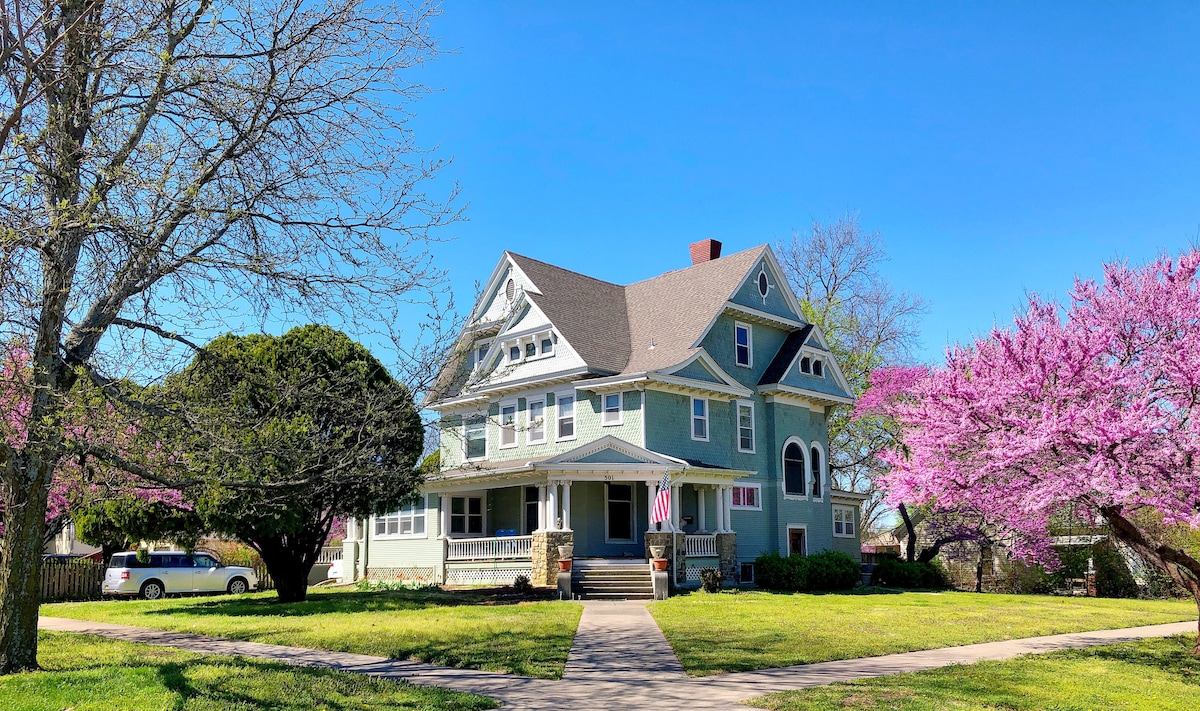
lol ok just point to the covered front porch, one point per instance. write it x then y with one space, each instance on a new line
502 524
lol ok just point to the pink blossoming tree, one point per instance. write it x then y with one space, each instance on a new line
1091 407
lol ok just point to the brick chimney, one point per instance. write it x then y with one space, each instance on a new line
705 250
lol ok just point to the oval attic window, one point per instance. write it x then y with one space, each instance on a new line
510 289
763 286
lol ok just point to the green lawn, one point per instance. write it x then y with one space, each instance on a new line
84 673
456 629
740 631
1151 675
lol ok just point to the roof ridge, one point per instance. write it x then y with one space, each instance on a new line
564 269
724 259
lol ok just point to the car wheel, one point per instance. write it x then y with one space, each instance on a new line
152 590
237 586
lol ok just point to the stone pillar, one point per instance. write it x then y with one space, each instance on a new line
700 523
545 555
727 552
566 506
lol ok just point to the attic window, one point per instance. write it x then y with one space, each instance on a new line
510 289
547 346
530 349
818 368
514 353
806 365
763 285
480 353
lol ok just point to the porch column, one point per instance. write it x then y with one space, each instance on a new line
552 507
566 505
444 527
720 510
676 492
541 507
700 509
727 502
651 494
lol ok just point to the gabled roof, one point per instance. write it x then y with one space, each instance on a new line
787 353
670 313
588 312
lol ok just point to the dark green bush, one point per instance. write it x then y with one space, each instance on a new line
891 572
821 572
710 580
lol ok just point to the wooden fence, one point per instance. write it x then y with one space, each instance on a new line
72 580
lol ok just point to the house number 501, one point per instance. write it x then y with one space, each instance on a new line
608 477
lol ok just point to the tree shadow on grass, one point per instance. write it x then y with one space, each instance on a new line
339 602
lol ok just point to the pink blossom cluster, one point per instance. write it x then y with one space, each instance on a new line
1082 405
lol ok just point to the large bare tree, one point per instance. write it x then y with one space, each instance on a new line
834 270
177 167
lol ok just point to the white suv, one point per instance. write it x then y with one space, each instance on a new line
174 572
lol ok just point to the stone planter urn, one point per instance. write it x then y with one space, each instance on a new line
660 563
567 551
564 565
657 552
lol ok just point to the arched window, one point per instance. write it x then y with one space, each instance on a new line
793 469
816 472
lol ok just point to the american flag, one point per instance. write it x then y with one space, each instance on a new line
662 502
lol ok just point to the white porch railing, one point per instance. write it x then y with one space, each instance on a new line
700 546
503 548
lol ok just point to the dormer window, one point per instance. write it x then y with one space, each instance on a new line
818 368
481 352
547 346
530 349
806 365
514 353
742 344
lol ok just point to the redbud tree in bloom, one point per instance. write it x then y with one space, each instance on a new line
1089 407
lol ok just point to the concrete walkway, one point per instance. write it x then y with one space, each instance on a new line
645 679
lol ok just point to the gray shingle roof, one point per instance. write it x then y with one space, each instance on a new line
779 364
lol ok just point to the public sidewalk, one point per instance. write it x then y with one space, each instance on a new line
620 660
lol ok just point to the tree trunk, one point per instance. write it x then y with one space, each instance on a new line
1177 564
911 546
289 568
21 564
979 572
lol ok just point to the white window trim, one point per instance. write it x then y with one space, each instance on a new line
805 470
500 426
823 473
692 417
620 410
749 344
529 403
757 496
483 507
465 441
787 534
847 511
574 415
632 513
737 425
424 508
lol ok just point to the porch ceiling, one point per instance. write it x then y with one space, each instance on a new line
543 472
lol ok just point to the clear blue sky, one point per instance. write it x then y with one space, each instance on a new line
999 149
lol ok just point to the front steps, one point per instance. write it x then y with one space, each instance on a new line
594 579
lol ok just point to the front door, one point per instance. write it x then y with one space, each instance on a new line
618 520
796 543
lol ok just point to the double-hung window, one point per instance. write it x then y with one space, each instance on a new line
565 404
818 477
508 425
843 521
408 521
747 497
475 436
700 419
466 515
793 469
535 432
745 426
743 339
612 409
